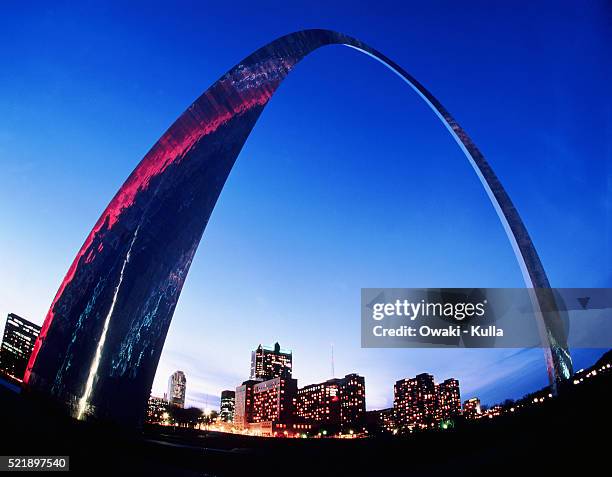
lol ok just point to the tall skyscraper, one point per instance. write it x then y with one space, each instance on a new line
228 403
414 402
448 399
336 403
177 384
17 345
271 362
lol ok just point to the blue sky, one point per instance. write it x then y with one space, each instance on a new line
347 181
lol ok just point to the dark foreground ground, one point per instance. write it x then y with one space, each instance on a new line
569 432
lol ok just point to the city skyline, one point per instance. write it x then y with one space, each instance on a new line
512 363
331 408
176 395
335 407
445 386
211 401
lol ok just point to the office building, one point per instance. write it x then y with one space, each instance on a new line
228 403
273 400
336 404
17 345
319 404
177 384
157 410
268 362
243 404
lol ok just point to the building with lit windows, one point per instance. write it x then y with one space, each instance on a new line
243 404
157 410
269 362
448 399
228 403
267 407
352 402
414 403
17 345
280 429
319 404
471 408
335 405
273 400
494 411
177 385
381 421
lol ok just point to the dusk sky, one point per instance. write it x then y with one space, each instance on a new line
347 181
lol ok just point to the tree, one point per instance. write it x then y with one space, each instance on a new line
187 417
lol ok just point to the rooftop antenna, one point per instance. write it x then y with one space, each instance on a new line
332 361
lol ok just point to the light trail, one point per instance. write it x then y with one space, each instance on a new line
93 370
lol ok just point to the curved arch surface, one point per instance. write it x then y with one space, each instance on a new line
103 335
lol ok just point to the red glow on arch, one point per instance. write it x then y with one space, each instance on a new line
205 116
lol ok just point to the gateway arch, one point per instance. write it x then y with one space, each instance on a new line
103 335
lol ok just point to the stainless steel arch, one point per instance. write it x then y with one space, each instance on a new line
107 324
552 331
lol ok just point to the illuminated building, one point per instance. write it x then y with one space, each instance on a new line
177 384
387 419
419 403
471 408
106 326
338 404
273 400
352 402
381 421
448 399
271 362
414 402
279 429
494 411
319 403
17 345
266 407
228 402
157 410
243 404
